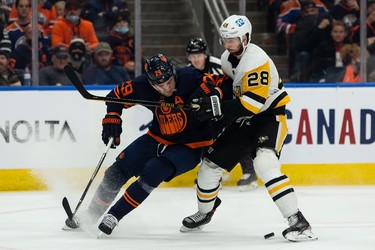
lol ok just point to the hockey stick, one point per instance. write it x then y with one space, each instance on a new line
69 71
65 202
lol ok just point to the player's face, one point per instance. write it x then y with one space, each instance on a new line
233 45
166 88
198 60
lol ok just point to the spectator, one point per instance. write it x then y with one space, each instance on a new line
346 9
72 26
46 15
79 60
290 12
6 45
23 53
327 53
370 24
16 30
350 54
104 72
121 40
54 74
103 14
20 9
60 9
311 29
8 77
273 11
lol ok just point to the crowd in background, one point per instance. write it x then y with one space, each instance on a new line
322 38
97 39
94 36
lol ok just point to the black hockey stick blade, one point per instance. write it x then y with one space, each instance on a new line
67 208
71 74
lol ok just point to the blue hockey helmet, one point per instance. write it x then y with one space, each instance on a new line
159 69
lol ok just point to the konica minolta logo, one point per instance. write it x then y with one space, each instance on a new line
23 131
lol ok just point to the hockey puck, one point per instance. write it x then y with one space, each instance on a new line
267 236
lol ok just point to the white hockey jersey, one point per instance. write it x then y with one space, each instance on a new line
256 81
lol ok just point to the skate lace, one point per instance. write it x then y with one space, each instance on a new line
110 221
198 216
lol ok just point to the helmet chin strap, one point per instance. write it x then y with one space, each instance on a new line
244 47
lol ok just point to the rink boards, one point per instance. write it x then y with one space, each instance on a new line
50 135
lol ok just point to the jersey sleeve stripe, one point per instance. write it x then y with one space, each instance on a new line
250 104
275 100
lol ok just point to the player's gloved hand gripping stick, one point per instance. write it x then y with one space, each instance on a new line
206 97
112 127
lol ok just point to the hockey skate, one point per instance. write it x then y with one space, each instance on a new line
108 223
197 221
299 229
247 182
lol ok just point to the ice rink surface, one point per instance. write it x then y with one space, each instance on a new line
342 218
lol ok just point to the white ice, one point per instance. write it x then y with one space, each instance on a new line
342 218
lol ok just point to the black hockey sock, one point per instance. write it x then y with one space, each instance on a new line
132 198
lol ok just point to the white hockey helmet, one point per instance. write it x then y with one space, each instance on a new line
236 26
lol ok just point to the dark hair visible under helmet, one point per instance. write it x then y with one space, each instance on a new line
158 69
196 45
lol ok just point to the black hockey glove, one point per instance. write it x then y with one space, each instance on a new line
209 107
112 127
205 89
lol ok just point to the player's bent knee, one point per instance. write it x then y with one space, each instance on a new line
114 178
266 164
157 170
209 175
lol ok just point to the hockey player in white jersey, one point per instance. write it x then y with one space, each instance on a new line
259 129
196 51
